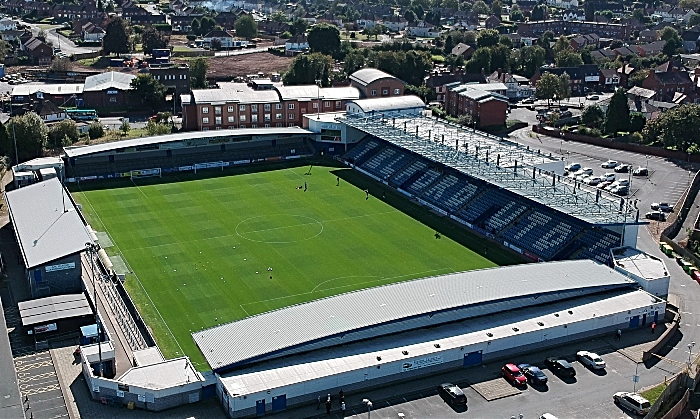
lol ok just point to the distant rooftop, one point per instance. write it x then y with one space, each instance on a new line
639 263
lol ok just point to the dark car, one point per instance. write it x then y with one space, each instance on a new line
623 168
641 171
453 393
533 374
560 367
566 114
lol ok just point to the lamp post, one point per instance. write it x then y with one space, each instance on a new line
369 407
690 354
91 249
318 98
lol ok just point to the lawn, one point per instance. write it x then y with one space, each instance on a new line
200 246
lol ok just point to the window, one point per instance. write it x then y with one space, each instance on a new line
217 110
278 125
113 99
326 104
231 120
254 126
338 104
253 118
205 109
374 93
267 107
291 106
253 108
278 106
385 92
267 117
290 116
184 77
315 106
230 108
241 118
278 116
231 127
205 120
397 91
218 128
291 125
241 108
205 129
217 120
267 125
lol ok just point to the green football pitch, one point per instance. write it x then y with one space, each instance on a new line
215 247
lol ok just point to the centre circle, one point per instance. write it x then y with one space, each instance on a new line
279 228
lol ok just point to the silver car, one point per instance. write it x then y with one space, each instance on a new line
632 401
591 360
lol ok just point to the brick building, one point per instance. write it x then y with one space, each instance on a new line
671 82
562 27
375 83
486 108
107 90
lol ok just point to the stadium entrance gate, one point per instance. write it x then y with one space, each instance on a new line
472 358
634 322
260 407
279 403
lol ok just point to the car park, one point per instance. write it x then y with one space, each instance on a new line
603 185
662 206
592 180
608 177
533 374
632 401
512 373
591 360
560 367
572 167
655 215
453 393
610 164
641 171
623 168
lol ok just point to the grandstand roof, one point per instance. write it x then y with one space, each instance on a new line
475 153
78 151
47 225
241 341
108 80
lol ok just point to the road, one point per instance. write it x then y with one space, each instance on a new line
239 52
58 40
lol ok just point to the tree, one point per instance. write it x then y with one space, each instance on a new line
410 15
500 58
31 134
154 128
298 26
617 116
568 59
673 40
324 39
694 20
63 133
207 24
279 16
564 86
497 8
539 12
465 120
516 15
216 44
504 40
354 60
487 38
116 39
196 26
449 44
531 59
306 69
637 121
480 61
152 39
547 87
125 127
246 27
59 65
96 130
479 7
149 91
562 44
198 73
591 115
675 128
424 92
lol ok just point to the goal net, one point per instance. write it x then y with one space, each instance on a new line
136 174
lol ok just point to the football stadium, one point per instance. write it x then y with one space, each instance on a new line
277 265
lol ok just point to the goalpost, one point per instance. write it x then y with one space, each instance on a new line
137 174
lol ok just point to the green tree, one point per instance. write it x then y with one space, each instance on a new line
149 91
500 58
480 7
196 26
497 8
198 73
564 86
96 130
562 44
591 115
568 59
116 39
279 16
246 27
637 121
298 26
152 39
516 15
324 39
487 38
154 128
531 58
63 133
449 44
306 69
547 87
694 20
504 40
207 24
539 12
675 129
354 60
31 134
480 61
125 126
617 116
410 15
673 40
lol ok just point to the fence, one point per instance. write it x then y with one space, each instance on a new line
85 55
195 53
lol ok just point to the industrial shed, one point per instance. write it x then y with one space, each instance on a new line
472 316
51 234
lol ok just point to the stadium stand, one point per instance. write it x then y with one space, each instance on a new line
539 230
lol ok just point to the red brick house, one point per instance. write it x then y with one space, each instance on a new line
39 53
375 83
668 79
486 108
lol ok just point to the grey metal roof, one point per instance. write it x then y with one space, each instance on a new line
78 151
49 309
255 336
162 375
50 89
47 225
385 104
366 76
108 80
11 405
313 92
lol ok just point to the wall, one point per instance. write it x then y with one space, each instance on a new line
66 281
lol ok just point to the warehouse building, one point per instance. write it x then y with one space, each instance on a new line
51 235
371 337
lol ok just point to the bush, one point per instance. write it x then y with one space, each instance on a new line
157 129
286 35
636 138
64 133
96 130
191 37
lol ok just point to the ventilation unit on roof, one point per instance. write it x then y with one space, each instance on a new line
540 323
404 352
489 334
437 345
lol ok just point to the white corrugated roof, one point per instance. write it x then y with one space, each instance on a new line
166 374
108 80
386 104
49 89
312 92
256 336
46 223
49 309
366 76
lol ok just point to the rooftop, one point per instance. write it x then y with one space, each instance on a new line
385 104
49 309
108 80
258 336
639 263
162 375
49 89
46 223
366 76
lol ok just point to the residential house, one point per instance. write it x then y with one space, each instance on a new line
423 29
92 33
367 21
609 79
561 27
648 35
603 53
7 25
517 87
668 79
651 49
564 4
331 19
395 23
139 15
642 101
296 45
580 41
86 10
690 40
39 53
271 27
226 19
183 23
526 6
625 51
573 15
41 8
11 36
582 79
599 5
48 111
486 108
466 51
224 37
107 90
515 38
375 83
440 82
14 6
492 22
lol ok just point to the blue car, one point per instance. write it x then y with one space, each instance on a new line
534 375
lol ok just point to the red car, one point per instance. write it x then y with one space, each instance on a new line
512 373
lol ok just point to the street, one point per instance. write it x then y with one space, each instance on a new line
58 40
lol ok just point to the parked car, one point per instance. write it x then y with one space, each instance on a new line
655 215
582 177
533 374
623 168
572 167
609 176
593 97
512 373
565 114
560 367
591 360
662 206
632 401
620 190
453 393
592 180
641 171
603 185
584 171
528 101
609 164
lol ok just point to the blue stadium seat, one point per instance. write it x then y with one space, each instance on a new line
541 233
450 193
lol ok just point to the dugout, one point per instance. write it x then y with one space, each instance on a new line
189 151
47 317
51 235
